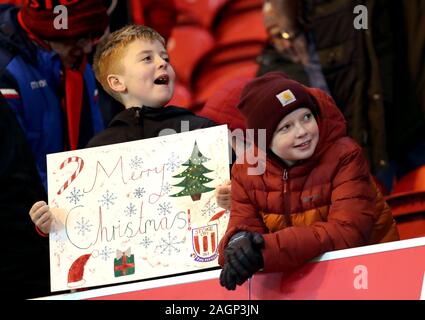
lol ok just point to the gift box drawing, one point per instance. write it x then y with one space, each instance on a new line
124 263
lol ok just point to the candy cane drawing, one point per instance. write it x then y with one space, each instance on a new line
80 163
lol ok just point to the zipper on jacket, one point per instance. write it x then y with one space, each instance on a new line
285 180
137 114
286 198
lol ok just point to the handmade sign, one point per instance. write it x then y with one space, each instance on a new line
137 210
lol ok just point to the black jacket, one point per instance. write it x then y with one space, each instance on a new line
25 255
142 123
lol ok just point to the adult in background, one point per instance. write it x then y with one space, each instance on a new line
50 105
315 40
44 74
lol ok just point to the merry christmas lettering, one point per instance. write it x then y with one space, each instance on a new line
126 229
101 174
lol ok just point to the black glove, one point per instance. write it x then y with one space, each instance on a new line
228 277
242 258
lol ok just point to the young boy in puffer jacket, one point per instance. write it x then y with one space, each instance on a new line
315 192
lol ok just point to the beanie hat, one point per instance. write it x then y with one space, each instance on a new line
85 17
266 100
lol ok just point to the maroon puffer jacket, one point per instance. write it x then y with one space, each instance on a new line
331 201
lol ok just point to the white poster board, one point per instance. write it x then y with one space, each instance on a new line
137 210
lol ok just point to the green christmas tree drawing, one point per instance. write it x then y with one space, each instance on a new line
194 178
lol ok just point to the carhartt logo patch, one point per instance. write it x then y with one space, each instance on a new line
286 97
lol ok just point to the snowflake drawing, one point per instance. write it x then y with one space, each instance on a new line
146 242
75 196
139 192
209 209
165 189
107 199
136 163
60 246
105 253
169 245
164 208
83 226
56 235
130 210
173 162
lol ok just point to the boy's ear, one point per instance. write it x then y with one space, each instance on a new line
116 83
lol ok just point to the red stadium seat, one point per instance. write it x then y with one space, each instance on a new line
208 81
221 105
186 47
245 26
233 7
15 2
181 97
412 182
235 52
407 203
201 12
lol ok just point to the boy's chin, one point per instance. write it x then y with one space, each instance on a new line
305 155
160 104
156 106
165 101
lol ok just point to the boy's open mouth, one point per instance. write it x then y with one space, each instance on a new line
162 79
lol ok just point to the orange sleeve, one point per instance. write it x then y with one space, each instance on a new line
349 222
243 215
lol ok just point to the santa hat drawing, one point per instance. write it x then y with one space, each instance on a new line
76 271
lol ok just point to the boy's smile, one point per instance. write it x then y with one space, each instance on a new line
296 136
304 145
